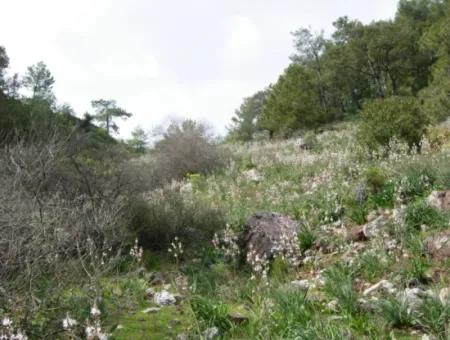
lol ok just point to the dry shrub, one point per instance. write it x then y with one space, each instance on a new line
187 147
56 208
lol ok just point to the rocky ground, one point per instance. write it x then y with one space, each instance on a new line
321 242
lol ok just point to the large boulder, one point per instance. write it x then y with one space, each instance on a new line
440 200
438 246
267 234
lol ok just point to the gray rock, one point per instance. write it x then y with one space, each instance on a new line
373 228
164 298
264 233
383 285
440 200
151 310
438 246
211 333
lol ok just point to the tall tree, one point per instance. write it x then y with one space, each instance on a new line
245 121
40 81
309 51
106 112
139 140
4 62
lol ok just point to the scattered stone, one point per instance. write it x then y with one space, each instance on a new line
252 175
182 336
444 295
383 285
164 298
264 232
151 310
372 215
440 200
438 246
413 296
372 228
356 234
150 292
211 333
332 305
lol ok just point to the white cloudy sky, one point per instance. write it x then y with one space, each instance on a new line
166 58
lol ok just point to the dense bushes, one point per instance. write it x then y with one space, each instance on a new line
399 118
173 211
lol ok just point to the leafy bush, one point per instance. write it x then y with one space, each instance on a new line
185 148
437 136
375 178
392 118
170 212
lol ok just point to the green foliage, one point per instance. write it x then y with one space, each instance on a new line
291 102
106 112
330 79
279 269
39 81
417 180
397 312
435 316
245 121
139 140
339 284
168 214
375 178
420 214
372 266
418 267
392 118
212 313
306 238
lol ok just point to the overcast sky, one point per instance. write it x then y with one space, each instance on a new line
162 59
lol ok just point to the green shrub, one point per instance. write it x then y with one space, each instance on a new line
371 267
168 213
417 180
420 214
392 118
339 283
397 312
211 313
418 267
306 239
435 317
375 178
